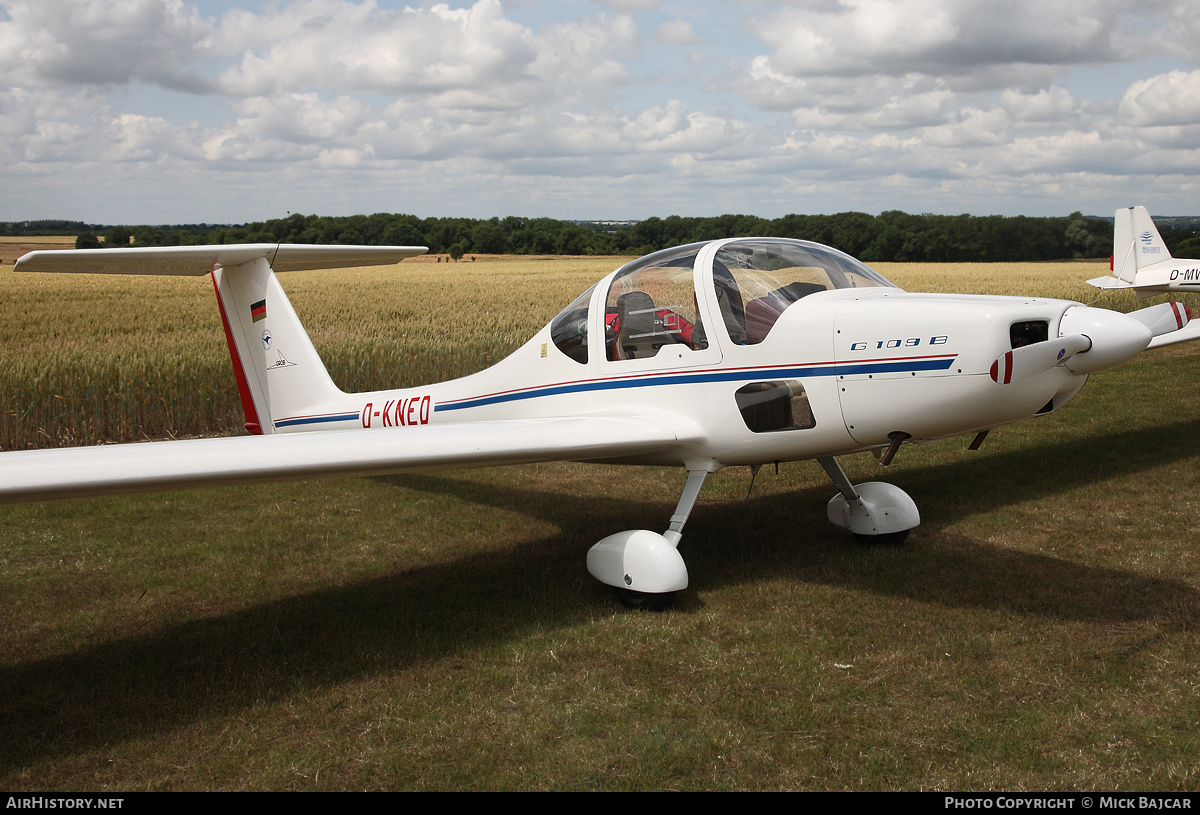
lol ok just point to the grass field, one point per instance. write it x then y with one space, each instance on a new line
1040 630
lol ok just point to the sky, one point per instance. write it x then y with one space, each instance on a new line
230 111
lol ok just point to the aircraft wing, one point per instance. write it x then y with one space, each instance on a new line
36 475
200 260
1189 332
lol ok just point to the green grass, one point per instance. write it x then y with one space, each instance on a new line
1040 629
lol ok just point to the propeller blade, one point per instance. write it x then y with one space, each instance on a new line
1028 360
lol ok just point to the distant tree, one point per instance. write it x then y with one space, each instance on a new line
117 236
1077 237
622 239
349 236
542 242
402 234
648 233
457 250
572 240
87 241
488 238
890 236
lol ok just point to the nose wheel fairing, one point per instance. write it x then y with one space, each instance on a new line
870 510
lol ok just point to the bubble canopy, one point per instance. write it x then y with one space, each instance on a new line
651 302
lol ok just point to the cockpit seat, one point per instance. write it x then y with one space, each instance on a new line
641 333
762 312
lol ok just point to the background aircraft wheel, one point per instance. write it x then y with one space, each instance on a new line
887 539
644 601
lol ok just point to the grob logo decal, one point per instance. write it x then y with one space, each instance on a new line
910 342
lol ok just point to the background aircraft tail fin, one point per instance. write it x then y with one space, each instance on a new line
1136 244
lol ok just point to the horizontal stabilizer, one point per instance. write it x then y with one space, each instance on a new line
39 475
1108 282
200 260
1143 290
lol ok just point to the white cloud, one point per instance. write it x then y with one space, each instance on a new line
1168 99
671 128
305 118
868 37
100 42
1053 105
345 105
358 48
629 6
580 61
973 128
677 31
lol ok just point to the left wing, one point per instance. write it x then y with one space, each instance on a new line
200 260
38 475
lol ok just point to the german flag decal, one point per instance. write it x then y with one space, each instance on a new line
259 310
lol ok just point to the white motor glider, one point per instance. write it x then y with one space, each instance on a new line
731 352
1142 263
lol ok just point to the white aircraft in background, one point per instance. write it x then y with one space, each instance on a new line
1142 263
744 351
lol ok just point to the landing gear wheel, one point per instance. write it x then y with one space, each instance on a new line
644 601
886 539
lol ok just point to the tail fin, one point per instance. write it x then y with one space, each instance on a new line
1137 247
279 373
1136 244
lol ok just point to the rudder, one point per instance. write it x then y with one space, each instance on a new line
1136 243
278 370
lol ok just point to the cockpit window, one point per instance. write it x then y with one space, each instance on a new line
651 303
570 328
756 280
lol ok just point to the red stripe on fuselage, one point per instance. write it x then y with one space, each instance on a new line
252 423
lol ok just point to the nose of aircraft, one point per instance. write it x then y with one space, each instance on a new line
1115 337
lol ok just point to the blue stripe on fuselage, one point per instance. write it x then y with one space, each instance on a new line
340 417
743 375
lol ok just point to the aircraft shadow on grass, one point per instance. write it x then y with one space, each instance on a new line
745 534
126 687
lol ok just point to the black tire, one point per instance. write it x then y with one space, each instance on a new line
886 539
644 601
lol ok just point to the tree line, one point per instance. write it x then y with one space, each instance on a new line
889 236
